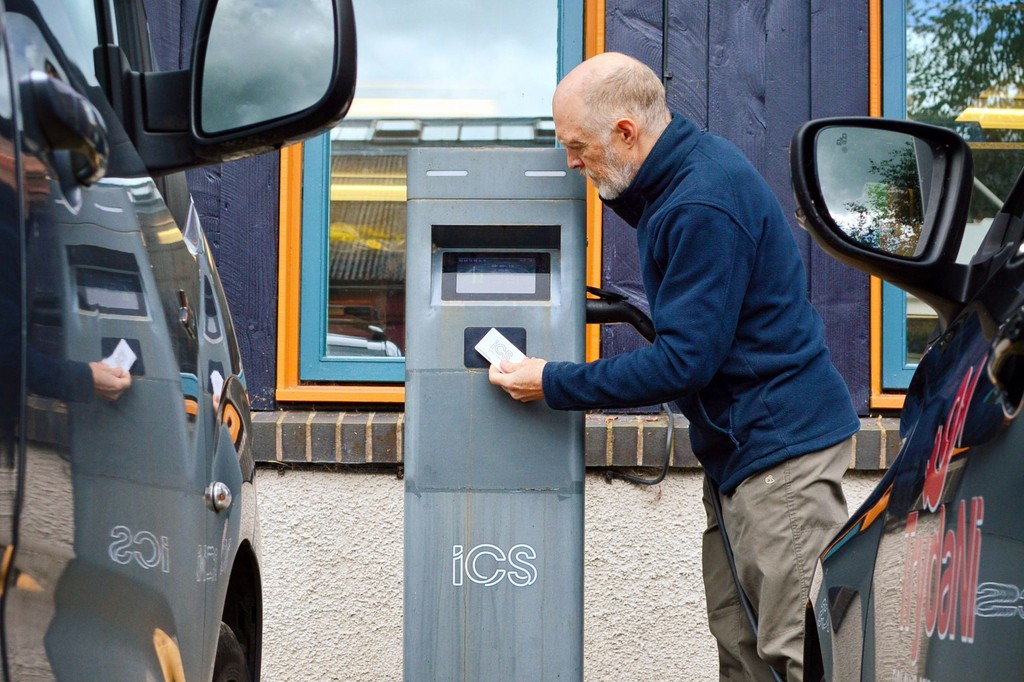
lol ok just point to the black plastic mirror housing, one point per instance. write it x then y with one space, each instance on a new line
258 134
161 110
932 274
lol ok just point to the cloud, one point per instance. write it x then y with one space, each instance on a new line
266 59
505 52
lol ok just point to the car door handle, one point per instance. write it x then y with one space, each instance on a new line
185 314
218 496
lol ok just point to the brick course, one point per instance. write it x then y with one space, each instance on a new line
616 440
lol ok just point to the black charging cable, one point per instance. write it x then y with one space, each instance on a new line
748 608
613 308
670 438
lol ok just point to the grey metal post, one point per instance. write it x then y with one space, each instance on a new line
493 487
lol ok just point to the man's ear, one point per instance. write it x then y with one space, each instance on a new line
628 131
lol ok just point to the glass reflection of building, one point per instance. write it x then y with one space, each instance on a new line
969 80
451 75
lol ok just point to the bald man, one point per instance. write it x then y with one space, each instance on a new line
739 349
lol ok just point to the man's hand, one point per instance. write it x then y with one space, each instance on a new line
521 380
109 382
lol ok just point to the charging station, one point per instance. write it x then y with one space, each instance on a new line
496 238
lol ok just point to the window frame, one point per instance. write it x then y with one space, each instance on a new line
314 362
891 373
896 371
304 372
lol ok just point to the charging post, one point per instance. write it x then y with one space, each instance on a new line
493 562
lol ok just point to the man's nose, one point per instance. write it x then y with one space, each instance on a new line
573 160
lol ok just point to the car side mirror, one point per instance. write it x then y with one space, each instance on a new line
264 63
888 197
874 187
263 76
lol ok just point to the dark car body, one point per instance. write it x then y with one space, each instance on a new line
925 581
128 528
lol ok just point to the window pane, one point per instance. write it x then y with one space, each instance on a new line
366 298
964 72
455 58
454 73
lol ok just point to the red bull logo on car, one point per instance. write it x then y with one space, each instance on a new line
940 575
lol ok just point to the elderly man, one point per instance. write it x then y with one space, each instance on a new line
739 349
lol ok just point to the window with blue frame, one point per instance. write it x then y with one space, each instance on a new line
430 74
953 63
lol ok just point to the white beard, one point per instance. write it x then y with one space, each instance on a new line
617 179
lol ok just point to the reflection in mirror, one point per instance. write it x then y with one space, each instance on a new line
265 60
871 182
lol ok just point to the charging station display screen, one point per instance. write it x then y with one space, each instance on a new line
517 275
495 276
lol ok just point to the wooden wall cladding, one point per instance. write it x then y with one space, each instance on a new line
749 70
752 71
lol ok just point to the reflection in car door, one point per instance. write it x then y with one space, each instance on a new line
224 416
112 510
10 325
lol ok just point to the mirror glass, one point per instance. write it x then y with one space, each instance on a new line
871 181
265 59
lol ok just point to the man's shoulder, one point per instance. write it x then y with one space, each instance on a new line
715 175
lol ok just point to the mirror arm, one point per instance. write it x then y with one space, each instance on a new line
948 290
958 285
165 100
146 105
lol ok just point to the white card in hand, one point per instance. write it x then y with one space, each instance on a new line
495 347
122 357
216 383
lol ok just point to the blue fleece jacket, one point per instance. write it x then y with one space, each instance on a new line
739 347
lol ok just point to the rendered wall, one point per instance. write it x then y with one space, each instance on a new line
332 562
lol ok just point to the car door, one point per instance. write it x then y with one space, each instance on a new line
112 507
12 186
924 581
224 422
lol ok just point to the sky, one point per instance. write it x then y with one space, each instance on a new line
492 57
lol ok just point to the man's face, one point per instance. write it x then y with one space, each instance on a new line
596 156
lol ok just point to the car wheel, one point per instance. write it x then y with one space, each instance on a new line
231 665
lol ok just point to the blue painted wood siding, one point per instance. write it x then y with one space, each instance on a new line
750 70
753 71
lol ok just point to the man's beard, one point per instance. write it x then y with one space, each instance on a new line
617 177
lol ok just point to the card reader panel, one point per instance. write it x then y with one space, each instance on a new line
472 335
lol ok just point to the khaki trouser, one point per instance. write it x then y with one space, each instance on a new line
778 521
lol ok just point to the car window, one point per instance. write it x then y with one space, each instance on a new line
131 32
73 23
